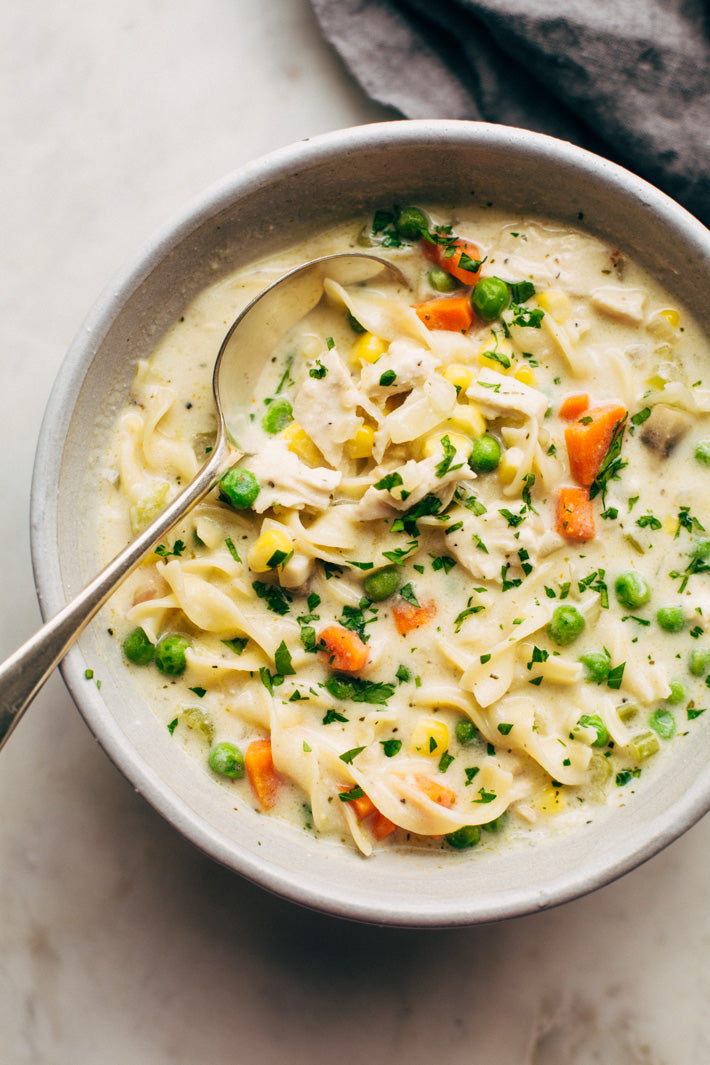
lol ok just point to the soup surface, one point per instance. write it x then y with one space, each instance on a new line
458 591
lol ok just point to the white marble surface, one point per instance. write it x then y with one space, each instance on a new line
118 942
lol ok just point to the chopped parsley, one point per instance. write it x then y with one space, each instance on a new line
276 599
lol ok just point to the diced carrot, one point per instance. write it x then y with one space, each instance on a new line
588 440
435 791
453 313
381 826
449 260
572 406
343 648
575 514
363 807
408 617
261 772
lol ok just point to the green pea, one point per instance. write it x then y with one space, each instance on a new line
466 836
170 654
239 488
597 665
382 583
409 223
593 721
699 661
485 454
663 723
632 589
442 281
497 824
678 693
490 297
227 760
279 414
465 731
137 648
702 452
671 618
565 625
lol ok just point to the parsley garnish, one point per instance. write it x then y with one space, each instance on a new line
399 554
444 466
467 612
177 549
347 756
388 378
173 725
318 371
333 715
612 463
407 593
391 747
282 660
445 562
355 792
236 644
389 481
276 599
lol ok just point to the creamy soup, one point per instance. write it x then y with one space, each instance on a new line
457 592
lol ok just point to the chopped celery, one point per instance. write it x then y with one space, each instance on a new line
197 719
644 745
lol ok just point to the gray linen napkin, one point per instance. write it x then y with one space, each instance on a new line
628 79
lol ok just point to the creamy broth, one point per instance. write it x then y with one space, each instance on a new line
457 594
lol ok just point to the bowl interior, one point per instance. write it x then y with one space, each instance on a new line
271 204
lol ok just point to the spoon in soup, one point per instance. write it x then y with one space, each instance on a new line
240 360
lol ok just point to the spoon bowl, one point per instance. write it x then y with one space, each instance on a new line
239 363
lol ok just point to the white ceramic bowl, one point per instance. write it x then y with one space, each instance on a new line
280 200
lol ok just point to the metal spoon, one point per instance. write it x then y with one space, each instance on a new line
240 361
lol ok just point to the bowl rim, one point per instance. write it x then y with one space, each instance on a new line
44 510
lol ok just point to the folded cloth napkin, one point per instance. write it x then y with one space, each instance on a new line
628 79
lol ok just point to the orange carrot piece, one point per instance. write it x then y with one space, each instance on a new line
449 260
408 617
261 772
363 807
575 514
343 648
573 406
435 791
588 440
381 826
453 313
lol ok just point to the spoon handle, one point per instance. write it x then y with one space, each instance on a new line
24 672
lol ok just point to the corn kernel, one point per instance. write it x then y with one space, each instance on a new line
554 303
433 446
510 464
550 800
298 441
271 550
671 316
368 348
467 419
525 375
430 736
360 445
457 375
670 525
